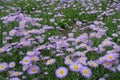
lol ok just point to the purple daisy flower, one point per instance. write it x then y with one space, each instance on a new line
26 60
107 64
75 67
111 56
61 72
34 58
86 72
82 59
12 64
101 59
33 70
30 53
107 43
3 66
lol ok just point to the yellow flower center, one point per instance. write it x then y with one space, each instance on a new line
2 67
110 57
50 61
11 64
34 70
25 60
33 58
76 67
31 52
107 43
102 59
81 54
85 40
61 71
92 64
82 58
107 63
85 71
17 73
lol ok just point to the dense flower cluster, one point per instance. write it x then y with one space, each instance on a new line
84 47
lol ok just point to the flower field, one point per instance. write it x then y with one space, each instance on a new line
59 40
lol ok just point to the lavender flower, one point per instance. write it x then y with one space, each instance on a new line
33 70
75 67
86 72
26 60
12 64
3 66
61 72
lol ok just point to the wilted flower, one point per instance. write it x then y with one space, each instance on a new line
68 61
50 61
15 73
92 63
